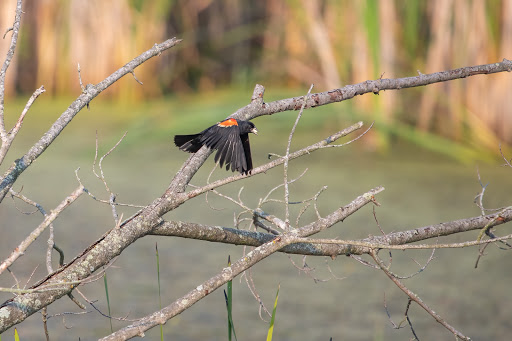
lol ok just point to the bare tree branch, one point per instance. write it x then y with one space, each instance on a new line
149 219
10 54
90 92
49 218
244 263
320 247
286 160
262 169
416 298
117 239
8 137
258 107
371 86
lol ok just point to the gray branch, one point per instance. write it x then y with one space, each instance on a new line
375 87
233 236
149 220
257 107
116 240
89 93
10 54
244 263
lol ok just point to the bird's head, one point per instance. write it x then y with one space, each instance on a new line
252 128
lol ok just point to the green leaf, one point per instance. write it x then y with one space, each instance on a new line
271 328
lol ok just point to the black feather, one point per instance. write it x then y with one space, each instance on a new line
247 150
188 143
231 140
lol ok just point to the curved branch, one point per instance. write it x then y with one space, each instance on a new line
244 263
233 236
113 243
269 165
257 107
374 86
89 93
49 218
8 137
416 298
143 223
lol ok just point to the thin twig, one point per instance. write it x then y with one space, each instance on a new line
252 288
238 267
480 197
266 198
330 270
375 246
58 285
15 278
44 313
351 141
20 249
112 196
28 201
507 162
135 77
91 91
7 31
102 313
8 138
108 202
287 158
409 320
416 298
395 326
10 54
272 164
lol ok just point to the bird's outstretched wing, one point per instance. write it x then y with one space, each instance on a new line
231 140
230 150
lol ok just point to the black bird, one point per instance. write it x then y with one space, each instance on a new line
231 140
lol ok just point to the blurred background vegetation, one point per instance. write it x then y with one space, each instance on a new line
229 46
285 44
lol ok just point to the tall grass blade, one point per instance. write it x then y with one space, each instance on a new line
159 295
271 328
229 306
108 302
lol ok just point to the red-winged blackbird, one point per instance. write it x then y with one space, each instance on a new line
231 140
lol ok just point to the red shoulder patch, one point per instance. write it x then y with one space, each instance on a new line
228 123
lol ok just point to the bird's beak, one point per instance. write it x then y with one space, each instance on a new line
254 131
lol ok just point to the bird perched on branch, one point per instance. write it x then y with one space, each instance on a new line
231 140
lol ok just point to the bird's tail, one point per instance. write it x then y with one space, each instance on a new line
188 143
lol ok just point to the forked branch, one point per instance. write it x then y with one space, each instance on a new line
244 263
89 93
416 298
